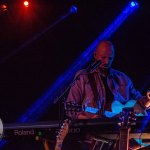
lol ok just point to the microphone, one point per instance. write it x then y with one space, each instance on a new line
93 66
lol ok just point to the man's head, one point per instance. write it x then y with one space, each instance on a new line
105 53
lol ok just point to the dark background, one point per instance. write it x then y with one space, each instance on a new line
25 73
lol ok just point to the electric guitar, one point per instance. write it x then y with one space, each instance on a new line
60 137
62 134
116 108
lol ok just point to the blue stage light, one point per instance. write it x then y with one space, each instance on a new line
134 4
73 9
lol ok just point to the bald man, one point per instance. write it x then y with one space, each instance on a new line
98 89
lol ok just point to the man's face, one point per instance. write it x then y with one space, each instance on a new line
105 53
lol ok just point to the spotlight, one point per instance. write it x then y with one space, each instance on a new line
73 9
3 7
133 4
26 3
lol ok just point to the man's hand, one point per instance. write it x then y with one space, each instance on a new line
85 115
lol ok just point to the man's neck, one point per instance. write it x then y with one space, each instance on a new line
104 72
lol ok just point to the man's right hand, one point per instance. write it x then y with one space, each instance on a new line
86 116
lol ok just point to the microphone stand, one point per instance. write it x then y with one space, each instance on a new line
63 98
89 69
66 90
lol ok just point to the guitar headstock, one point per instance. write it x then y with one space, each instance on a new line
127 117
63 131
72 107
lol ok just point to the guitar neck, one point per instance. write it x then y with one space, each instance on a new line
124 139
62 134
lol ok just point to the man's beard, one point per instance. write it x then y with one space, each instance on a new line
104 71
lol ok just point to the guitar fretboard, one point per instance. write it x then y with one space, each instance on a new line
124 139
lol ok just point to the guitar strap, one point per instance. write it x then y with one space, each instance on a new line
95 92
93 86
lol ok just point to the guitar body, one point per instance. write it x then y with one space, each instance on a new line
116 108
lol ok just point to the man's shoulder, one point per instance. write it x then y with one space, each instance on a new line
81 73
120 76
118 72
